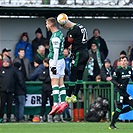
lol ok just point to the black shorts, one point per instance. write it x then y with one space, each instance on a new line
122 99
80 59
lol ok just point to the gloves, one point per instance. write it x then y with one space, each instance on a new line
54 70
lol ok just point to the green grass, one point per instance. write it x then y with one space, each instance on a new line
72 127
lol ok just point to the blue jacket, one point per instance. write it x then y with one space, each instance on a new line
27 48
36 73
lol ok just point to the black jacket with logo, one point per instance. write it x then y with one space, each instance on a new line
20 83
45 77
121 77
7 79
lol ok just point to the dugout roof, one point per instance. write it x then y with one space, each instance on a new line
78 11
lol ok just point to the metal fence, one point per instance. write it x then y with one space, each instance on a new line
91 90
94 89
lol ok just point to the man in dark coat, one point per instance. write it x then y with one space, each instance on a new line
7 87
39 40
102 46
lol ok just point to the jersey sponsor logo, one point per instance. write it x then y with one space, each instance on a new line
55 42
126 76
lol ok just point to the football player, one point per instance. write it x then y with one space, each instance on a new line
76 39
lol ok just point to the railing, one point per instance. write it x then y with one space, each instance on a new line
94 89
69 2
104 89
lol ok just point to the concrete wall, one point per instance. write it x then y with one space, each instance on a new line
118 33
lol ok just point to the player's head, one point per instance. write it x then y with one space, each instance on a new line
124 61
50 22
62 19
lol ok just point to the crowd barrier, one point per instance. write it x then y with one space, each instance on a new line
91 90
94 89
33 99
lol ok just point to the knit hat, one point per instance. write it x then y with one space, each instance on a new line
6 59
94 43
17 64
123 52
6 50
25 34
107 60
38 31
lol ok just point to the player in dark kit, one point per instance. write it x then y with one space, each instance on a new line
76 39
121 78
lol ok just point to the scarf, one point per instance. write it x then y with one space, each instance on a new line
90 65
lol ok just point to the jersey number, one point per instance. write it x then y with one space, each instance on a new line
84 38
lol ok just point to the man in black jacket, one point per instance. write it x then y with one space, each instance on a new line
46 88
20 93
102 46
7 87
106 71
39 40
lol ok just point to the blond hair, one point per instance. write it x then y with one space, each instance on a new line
52 20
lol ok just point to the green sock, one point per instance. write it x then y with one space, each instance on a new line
62 93
55 93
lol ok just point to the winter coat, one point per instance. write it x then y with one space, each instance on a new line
7 79
37 42
20 83
103 46
27 64
45 77
27 48
36 73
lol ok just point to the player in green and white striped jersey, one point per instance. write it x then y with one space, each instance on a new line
57 66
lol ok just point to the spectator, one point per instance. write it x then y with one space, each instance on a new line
122 54
106 71
95 62
39 40
67 78
7 88
46 50
102 46
36 73
24 44
130 52
6 53
25 63
39 56
20 93
67 64
46 88
1 60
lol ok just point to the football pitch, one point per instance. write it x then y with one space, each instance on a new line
69 127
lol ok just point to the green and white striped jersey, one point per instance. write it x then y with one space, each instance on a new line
56 44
